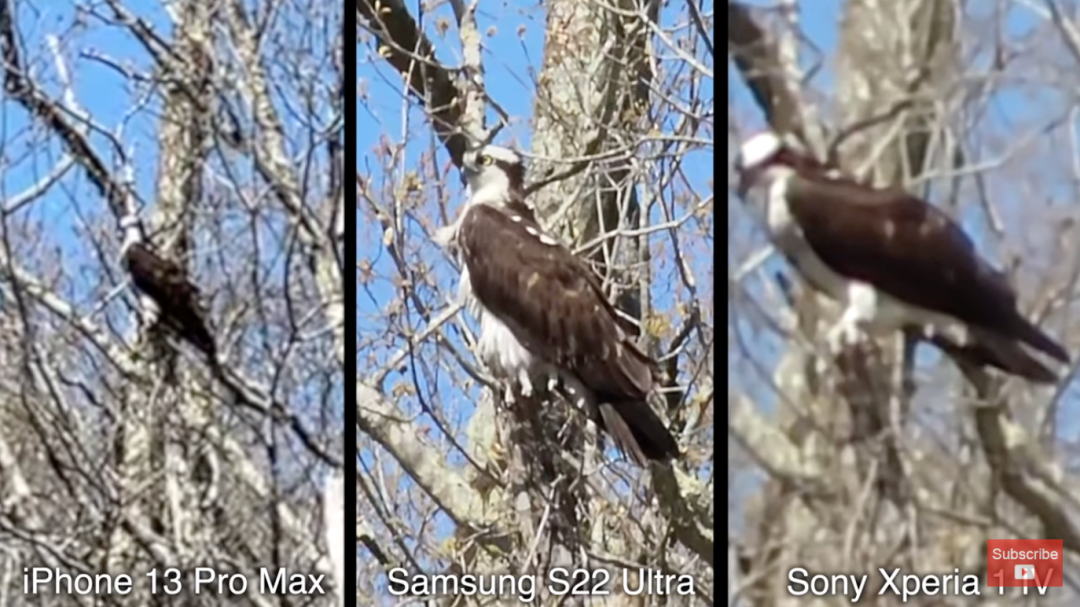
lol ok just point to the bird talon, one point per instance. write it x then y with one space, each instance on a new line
842 335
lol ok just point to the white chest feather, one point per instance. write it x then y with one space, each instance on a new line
496 344
788 237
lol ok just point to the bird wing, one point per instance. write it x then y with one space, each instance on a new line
160 278
909 249
552 302
178 299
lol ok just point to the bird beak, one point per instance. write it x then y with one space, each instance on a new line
467 174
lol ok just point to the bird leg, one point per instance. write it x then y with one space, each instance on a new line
526 382
548 374
575 392
844 333
508 395
553 382
860 311
578 394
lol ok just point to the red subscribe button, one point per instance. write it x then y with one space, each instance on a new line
1024 563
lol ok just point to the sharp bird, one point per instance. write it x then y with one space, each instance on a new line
896 262
166 294
542 312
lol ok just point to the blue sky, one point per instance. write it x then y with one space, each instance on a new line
96 87
513 46
1023 106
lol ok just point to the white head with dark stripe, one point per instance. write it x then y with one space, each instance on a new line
494 174
133 232
766 156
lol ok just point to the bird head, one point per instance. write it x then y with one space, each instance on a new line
128 222
766 155
133 233
493 171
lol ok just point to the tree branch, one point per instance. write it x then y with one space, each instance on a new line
400 41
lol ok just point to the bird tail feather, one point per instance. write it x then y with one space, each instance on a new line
1034 337
1004 354
638 431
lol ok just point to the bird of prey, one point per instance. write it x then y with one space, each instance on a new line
542 312
167 295
895 261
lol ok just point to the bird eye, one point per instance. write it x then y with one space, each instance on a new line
486 160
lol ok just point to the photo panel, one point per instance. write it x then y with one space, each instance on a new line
902 302
172 297
534 304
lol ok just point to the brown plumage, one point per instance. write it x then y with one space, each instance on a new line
911 250
554 305
896 261
176 298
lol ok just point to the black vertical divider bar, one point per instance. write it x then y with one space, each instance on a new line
718 223
349 47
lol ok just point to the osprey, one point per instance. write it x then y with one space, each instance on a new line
542 312
167 295
895 261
